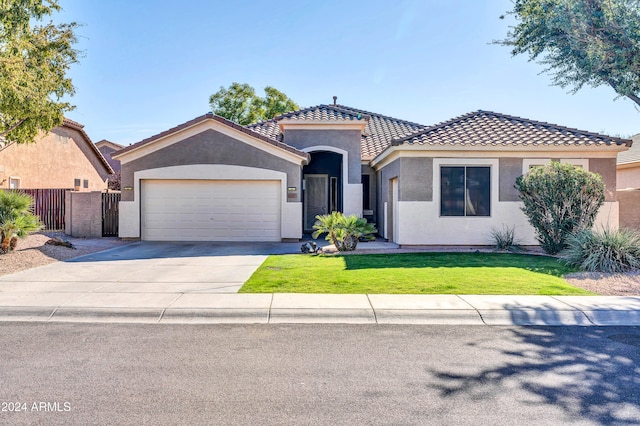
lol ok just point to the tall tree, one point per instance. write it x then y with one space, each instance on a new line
592 42
240 104
34 59
275 103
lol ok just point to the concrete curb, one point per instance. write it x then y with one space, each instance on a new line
179 308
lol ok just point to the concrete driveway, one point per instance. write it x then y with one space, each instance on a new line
152 267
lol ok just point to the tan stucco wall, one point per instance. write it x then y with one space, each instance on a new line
629 177
606 167
53 161
629 201
83 214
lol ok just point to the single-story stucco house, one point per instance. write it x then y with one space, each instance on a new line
449 184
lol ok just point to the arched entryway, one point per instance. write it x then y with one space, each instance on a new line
323 182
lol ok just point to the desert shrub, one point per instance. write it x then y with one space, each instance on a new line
16 219
604 250
504 238
342 231
559 200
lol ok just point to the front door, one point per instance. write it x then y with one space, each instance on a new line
315 199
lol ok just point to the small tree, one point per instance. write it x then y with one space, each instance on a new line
35 57
342 231
240 103
16 219
560 199
114 181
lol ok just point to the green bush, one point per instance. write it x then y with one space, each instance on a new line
560 200
505 238
342 231
16 219
603 251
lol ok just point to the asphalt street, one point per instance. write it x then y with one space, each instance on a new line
76 373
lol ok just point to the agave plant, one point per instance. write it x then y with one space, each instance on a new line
342 231
16 219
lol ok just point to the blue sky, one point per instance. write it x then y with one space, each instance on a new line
151 65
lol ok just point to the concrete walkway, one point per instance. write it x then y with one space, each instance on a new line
198 283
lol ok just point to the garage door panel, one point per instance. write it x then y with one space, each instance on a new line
211 210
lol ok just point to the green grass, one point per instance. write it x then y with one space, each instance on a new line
412 273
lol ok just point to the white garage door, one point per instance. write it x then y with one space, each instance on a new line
210 210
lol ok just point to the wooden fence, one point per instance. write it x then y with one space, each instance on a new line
110 202
49 206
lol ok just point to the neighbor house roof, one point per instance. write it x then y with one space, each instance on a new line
112 145
633 154
211 116
486 128
377 135
80 128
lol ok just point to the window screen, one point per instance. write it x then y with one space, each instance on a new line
465 191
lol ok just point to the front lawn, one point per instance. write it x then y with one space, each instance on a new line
412 273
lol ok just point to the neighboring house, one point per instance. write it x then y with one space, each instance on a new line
211 179
628 166
65 158
628 177
107 148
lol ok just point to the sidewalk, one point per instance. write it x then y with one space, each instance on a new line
205 308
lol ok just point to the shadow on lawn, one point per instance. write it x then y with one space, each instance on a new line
591 375
533 263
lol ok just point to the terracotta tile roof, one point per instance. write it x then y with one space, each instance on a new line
378 133
212 116
486 128
633 154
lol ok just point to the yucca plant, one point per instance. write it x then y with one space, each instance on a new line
604 250
505 238
16 219
342 231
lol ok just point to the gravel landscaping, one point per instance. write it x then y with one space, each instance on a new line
607 284
32 251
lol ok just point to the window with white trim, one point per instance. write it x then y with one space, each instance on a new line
465 191
14 182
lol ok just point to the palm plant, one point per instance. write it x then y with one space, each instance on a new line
16 219
342 231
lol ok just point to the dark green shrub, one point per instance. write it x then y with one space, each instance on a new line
603 251
559 200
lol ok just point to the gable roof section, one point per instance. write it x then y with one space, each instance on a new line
107 143
378 133
633 154
486 128
80 128
203 118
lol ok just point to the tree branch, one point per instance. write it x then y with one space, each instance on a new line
631 96
634 98
12 128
